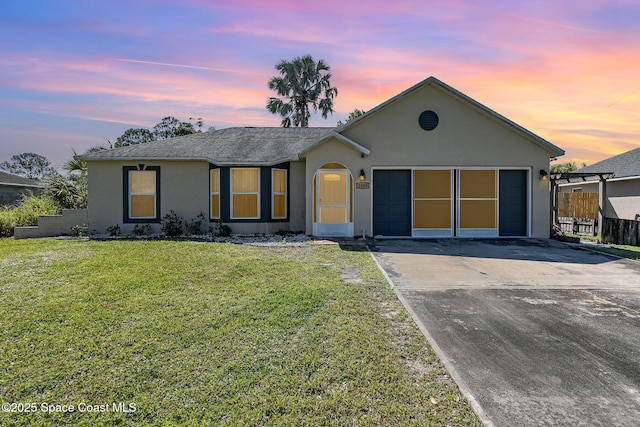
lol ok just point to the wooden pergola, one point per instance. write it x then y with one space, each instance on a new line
578 177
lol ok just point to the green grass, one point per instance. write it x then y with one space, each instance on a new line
199 333
624 251
585 237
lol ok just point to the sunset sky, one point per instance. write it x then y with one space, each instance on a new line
75 72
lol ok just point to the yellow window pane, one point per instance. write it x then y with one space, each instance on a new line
432 184
314 200
432 214
478 184
333 188
279 204
142 181
279 181
244 180
478 214
245 205
215 206
215 180
331 215
143 206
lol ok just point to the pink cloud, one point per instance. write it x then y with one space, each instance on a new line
547 91
542 67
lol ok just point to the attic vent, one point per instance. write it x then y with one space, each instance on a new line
428 120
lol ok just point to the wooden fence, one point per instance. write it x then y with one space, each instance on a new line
578 205
586 226
621 231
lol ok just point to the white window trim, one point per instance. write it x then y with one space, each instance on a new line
232 193
154 194
214 193
275 193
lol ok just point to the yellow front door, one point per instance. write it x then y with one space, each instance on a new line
332 204
333 197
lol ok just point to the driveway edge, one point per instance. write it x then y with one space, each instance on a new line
443 357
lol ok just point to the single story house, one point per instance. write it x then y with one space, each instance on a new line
429 162
13 187
622 191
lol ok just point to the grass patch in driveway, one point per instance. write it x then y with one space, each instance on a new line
624 251
206 333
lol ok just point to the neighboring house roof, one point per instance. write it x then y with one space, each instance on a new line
551 148
231 146
18 181
623 165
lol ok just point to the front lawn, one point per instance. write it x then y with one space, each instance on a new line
193 333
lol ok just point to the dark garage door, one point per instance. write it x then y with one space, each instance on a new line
513 203
392 202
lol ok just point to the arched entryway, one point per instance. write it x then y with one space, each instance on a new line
332 201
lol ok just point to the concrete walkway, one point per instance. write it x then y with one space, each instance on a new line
534 332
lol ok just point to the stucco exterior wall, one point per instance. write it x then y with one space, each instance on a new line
297 201
624 199
464 137
184 188
334 151
624 207
53 225
12 194
586 187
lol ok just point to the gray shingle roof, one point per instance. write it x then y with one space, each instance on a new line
231 146
17 181
623 165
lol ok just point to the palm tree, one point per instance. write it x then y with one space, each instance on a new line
302 83
70 192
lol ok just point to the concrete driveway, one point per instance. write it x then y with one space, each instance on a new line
535 332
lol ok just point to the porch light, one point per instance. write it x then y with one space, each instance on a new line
363 177
543 175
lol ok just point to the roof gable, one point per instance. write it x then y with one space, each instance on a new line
434 82
339 137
